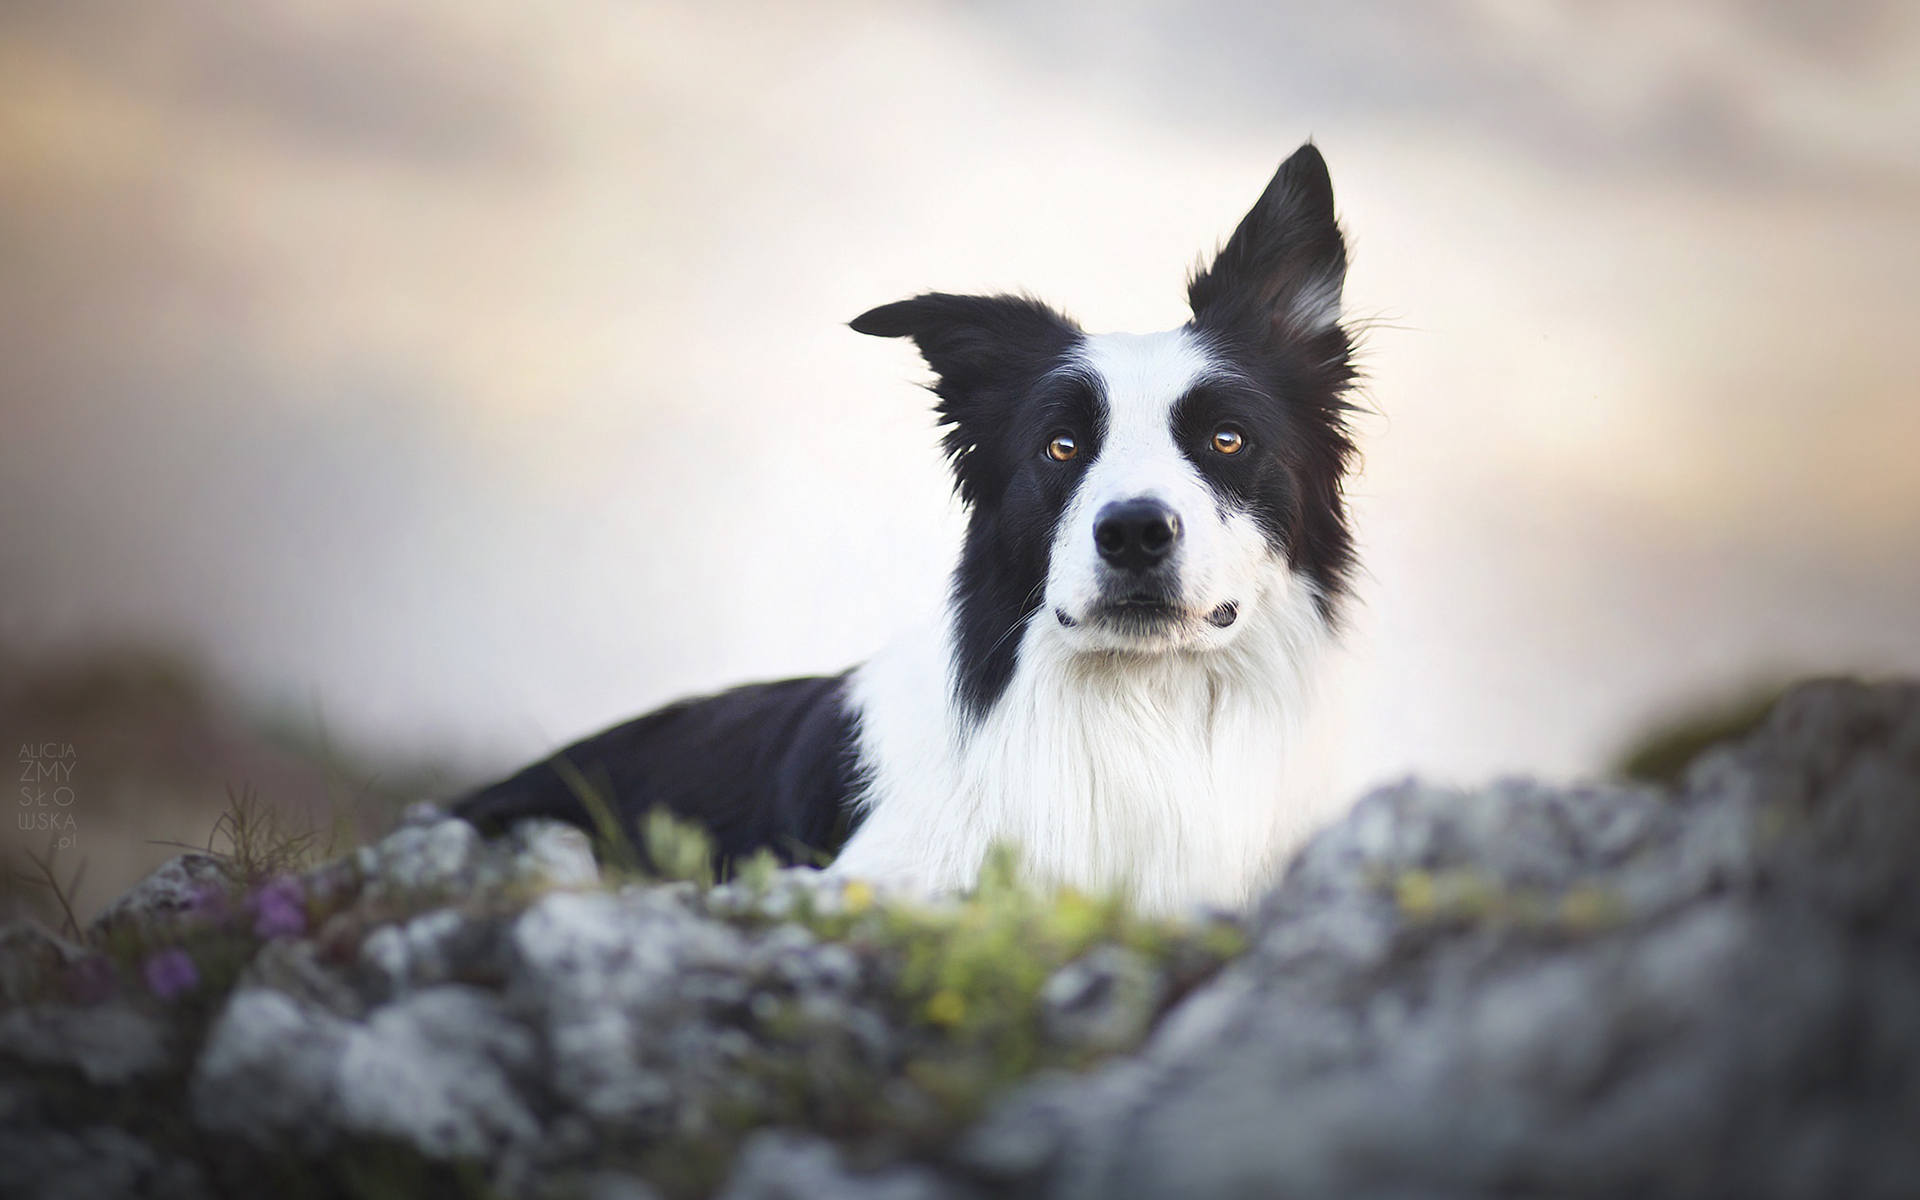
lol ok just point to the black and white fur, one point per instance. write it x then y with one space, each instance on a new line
1118 684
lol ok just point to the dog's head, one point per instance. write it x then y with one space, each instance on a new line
1149 494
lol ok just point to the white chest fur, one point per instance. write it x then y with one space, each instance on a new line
1180 778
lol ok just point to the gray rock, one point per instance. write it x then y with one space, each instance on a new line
1056 1130
552 854
617 1185
95 1163
172 893
779 897
1581 992
386 961
267 1070
440 1069
443 858
32 958
619 984
1103 1001
296 968
782 1166
108 1044
434 856
435 947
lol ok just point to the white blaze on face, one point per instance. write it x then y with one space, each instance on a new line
1221 552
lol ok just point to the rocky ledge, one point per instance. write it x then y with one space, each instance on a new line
1522 989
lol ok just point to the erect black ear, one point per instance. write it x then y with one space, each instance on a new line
1283 269
973 341
988 352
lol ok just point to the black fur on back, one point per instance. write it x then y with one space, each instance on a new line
771 765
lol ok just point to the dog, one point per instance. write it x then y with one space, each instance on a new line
1156 558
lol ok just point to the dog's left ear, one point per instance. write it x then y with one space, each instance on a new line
1282 271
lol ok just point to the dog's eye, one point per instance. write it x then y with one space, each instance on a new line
1062 447
1228 441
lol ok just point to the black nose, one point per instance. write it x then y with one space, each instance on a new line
1136 535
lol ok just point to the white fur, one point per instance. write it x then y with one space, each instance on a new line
1316 306
1168 767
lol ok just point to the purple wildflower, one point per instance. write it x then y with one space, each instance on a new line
171 973
280 908
92 980
210 902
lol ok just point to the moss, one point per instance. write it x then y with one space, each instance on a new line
960 985
1464 896
677 851
1663 753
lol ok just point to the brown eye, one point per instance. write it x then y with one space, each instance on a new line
1228 441
1062 447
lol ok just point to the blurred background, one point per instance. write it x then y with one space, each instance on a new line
395 389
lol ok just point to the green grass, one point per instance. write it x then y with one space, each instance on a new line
260 843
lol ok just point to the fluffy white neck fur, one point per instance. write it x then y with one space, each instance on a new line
1182 778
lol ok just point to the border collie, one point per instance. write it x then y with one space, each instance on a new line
1156 552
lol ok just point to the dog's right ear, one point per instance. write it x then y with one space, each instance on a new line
973 341
988 351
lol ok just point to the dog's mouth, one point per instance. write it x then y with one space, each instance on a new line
1149 615
1139 616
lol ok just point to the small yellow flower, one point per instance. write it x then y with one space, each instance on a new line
946 1008
1414 893
1585 906
857 896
